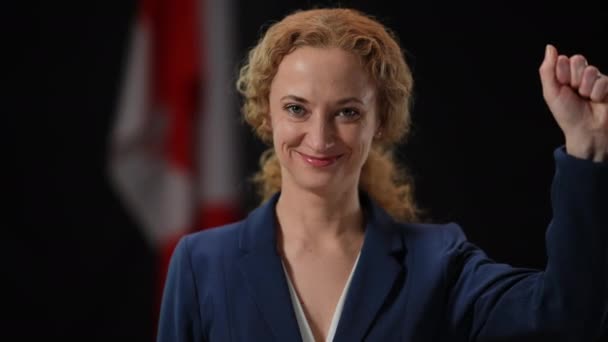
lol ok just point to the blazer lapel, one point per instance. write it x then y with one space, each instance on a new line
375 274
263 272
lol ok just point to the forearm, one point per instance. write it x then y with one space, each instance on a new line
575 288
569 299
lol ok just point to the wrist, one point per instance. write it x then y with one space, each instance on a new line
589 148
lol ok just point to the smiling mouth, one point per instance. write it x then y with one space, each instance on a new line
320 161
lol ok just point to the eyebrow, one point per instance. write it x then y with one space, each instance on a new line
294 98
303 100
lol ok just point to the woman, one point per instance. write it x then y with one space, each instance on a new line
333 254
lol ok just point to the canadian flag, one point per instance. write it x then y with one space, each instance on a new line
174 145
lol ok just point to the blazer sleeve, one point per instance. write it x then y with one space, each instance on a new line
179 319
568 300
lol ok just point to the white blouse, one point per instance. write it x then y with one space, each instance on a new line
305 330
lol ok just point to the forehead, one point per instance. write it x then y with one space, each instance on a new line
322 73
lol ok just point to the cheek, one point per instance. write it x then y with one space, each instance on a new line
285 134
364 147
359 138
364 143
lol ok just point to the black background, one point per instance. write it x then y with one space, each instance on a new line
480 151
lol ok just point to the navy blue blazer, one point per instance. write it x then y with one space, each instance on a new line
413 282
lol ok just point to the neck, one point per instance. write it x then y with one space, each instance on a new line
317 219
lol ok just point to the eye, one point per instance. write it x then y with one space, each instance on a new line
295 110
349 113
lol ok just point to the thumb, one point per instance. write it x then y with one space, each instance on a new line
547 73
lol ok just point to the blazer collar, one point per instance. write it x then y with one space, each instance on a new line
378 268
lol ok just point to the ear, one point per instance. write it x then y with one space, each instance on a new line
380 121
378 131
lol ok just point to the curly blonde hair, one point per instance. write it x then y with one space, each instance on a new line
386 182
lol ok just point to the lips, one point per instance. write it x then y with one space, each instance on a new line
323 161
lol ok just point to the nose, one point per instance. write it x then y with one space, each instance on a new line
321 135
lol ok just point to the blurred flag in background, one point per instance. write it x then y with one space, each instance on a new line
174 143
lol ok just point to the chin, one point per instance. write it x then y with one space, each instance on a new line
321 184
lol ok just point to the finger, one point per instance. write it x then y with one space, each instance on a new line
599 93
577 66
563 70
590 75
547 73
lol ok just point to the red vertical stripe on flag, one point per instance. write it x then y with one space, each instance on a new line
173 144
176 52
176 77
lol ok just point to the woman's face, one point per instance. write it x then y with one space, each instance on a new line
323 119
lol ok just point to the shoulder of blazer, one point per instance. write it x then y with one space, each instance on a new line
227 240
438 237
214 242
